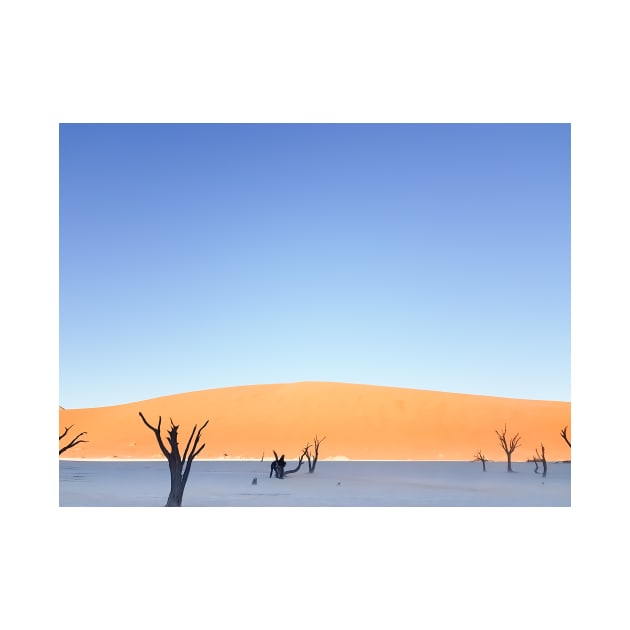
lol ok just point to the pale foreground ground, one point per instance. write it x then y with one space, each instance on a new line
333 484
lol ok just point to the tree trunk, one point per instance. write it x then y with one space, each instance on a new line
509 460
277 466
175 496
176 493
311 465
541 457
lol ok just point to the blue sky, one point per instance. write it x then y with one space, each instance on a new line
424 256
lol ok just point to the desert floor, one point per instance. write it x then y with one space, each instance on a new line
333 484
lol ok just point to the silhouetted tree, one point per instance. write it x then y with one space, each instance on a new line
279 464
540 457
179 465
508 448
480 457
73 442
313 462
563 433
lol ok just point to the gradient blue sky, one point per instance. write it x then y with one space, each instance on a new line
424 256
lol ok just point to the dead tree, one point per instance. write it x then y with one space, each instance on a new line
313 462
73 442
179 465
279 464
508 448
540 457
563 433
480 457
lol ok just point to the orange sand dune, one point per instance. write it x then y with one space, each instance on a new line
359 422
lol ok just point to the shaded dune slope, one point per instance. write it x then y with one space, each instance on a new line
359 422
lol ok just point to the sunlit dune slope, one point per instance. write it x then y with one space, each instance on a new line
358 421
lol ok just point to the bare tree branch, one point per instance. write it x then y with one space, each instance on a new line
563 433
158 435
194 448
293 470
514 442
188 443
316 442
194 452
75 440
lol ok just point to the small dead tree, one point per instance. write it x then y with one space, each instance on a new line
480 457
179 465
540 457
73 442
508 448
313 462
279 464
563 433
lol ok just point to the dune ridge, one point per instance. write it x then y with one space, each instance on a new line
360 422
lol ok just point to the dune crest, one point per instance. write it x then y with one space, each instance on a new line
360 422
